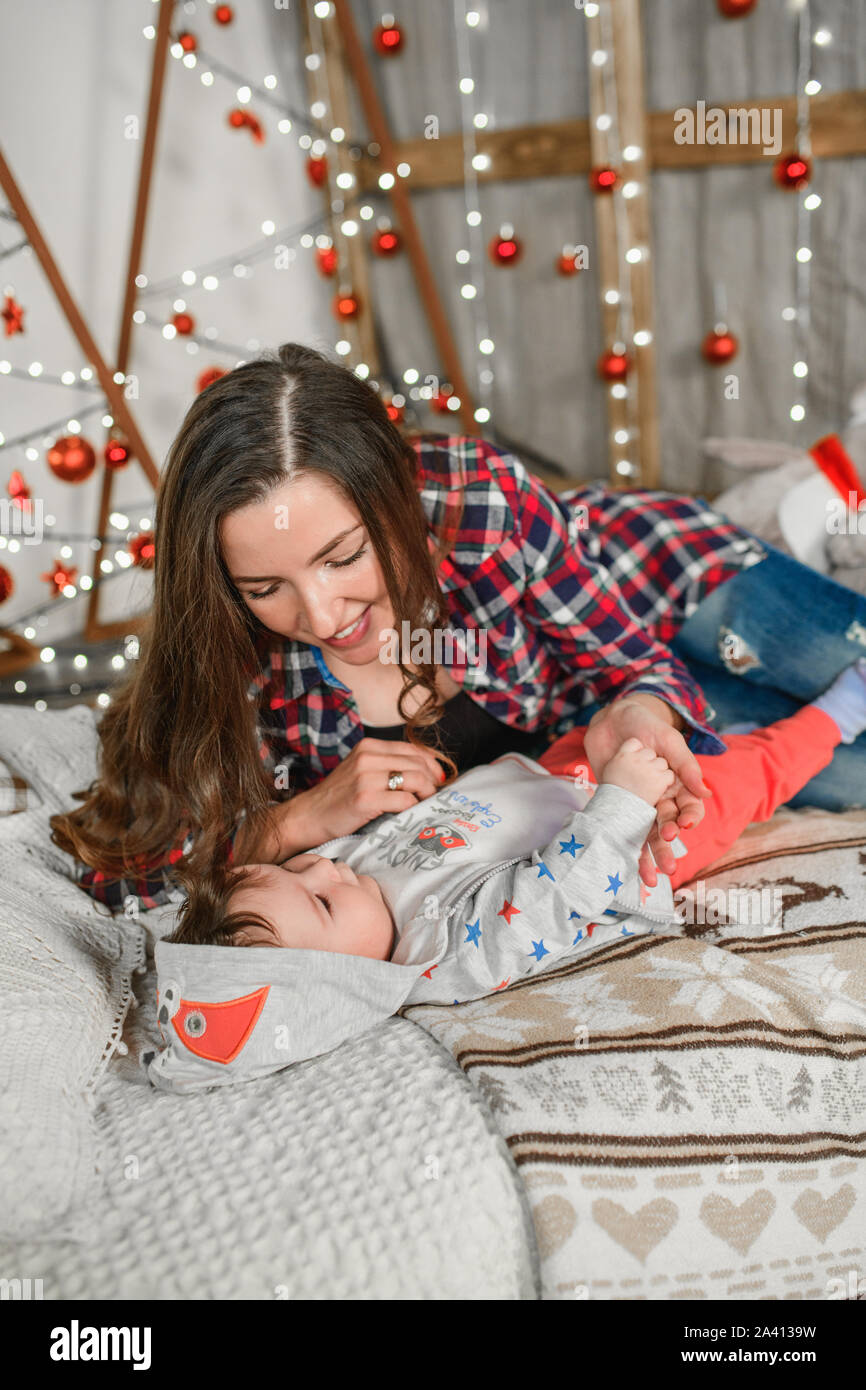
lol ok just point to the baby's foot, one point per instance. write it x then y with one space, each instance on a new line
845 701
638 769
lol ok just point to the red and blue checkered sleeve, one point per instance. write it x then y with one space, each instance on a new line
152 886
578 607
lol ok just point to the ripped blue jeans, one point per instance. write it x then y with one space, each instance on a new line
770 640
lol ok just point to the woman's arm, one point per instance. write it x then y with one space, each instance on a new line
579 607
644 717
286 831
657 706
583 614
355 793
150 887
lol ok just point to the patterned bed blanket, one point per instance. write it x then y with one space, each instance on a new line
373 1172
688 1114
681 1118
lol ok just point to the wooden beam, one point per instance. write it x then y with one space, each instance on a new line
120 627
563 148
94 629
523 152
16 653
837 122
388 159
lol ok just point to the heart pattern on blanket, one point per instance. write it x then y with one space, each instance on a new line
555 1219
638 1232
821 1215
738 1226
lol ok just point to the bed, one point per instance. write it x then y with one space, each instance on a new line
683 1117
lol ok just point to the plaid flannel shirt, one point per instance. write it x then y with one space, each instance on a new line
576 595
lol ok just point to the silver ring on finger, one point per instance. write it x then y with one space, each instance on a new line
395 781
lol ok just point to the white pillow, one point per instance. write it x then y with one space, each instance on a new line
65 968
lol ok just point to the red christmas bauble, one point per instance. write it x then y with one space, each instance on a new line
142 548
735 9
240 119
19 491
59 577
603 179
613 366
71 459
347 306
117 454
792 171
183 323
317 170
439 402
326 259
255 128
187 41
719 346
12 316
388 38
566 264
223 14
505 250
208 377
7 584
386 242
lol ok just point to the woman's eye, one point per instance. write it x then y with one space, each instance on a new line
338 564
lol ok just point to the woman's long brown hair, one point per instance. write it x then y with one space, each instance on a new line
179 744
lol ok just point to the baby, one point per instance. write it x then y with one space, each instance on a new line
499 875
315 902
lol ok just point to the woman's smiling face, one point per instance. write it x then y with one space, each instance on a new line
304 565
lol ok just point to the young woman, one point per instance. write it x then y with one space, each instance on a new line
293 682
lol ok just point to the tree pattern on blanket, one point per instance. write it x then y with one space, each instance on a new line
687 1115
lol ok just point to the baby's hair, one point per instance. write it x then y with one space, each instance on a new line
206 919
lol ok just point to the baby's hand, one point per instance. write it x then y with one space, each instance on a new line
639 770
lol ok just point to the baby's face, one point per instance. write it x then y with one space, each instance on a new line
317 904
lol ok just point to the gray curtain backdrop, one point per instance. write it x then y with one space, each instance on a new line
729 224
78 70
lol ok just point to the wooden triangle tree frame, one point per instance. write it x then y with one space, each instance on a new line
565 148
94 630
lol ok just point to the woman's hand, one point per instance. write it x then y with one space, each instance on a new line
356 792
682 806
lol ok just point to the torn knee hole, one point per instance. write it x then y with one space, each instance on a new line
736 652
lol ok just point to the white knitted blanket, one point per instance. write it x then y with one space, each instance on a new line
65 971
372 1172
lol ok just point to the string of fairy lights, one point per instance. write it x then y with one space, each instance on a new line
619 295
207 276
800 313
317 138
467 21
344 226
315 135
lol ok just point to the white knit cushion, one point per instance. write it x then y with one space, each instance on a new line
65 967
